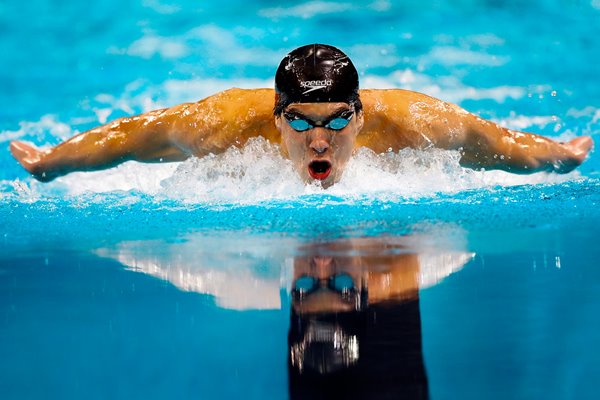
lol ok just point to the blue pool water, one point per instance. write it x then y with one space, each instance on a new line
174 281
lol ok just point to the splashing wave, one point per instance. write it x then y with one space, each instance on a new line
258 172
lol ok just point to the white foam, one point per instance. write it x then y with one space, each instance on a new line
523 122
252 174
166 9
128 176
311 9
258 173
192 90
150 45
214 44
592 114
380 5
485 40
446 88
306 10
417 173
452 56
376 55
48 128
224 46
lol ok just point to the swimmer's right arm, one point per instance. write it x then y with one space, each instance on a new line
144 138
171 134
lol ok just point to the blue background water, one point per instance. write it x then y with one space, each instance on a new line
520 320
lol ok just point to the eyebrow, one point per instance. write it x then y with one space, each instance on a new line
336 113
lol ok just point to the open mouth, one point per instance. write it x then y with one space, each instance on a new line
319 169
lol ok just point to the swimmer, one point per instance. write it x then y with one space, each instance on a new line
319 119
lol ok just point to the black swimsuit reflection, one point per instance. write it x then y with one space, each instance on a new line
355 327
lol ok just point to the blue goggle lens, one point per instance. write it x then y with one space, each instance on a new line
338 123
342 283
300 125
305 284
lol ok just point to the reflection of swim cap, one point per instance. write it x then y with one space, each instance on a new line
315 73
372 354
325 343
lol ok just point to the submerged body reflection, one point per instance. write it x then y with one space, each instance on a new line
371 354
355 328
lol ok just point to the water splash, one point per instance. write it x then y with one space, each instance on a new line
258 172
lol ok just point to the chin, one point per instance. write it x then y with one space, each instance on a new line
325 183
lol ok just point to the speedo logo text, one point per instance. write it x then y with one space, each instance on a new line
315 85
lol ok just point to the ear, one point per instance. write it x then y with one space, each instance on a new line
360 120
277 116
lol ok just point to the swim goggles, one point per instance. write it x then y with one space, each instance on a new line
341 283
300 123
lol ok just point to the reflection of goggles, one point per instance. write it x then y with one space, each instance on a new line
341 283
300 123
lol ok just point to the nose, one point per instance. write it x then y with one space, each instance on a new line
319 142
322 267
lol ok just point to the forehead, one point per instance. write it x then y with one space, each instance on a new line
317 109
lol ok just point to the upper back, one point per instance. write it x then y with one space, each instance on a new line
235 115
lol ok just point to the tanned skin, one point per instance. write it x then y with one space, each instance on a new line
391 118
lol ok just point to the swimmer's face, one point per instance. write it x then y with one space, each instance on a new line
330 274
319 151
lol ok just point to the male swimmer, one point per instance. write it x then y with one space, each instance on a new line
319 120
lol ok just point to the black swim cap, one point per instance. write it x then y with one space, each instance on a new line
316 73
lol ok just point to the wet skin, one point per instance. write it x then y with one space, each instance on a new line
391 120
382 276
322 268
319 144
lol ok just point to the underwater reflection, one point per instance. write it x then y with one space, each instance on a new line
355 322
355 329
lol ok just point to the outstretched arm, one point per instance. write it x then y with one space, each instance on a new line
487 145
171 134
484 144
144 138
425 121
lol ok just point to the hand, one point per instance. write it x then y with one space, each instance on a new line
31 159
577 150
580 147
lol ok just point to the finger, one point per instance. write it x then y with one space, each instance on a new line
580 147
584 143
23 152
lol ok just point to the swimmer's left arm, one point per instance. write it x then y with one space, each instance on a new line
485 144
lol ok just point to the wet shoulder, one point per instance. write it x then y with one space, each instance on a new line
230 118
254 112
388 119
389 102
238 102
